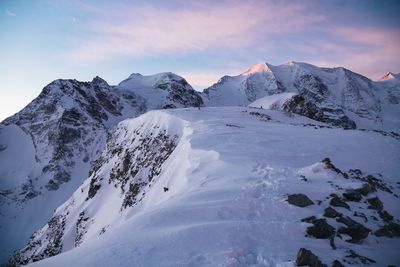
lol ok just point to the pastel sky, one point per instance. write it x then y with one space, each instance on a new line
43 40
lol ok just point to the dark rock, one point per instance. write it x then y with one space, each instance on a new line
375 203
384 215
352 195
355 230
93 188
299 200
337 202
298 105
353 255
321 229
51 185
366 189
377 183
310 219
355 173
131 194
331 213
306 258
329 165
303 178
389 230
337 263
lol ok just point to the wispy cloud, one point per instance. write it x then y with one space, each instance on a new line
366 50
378 49
10 13
236 29
132 30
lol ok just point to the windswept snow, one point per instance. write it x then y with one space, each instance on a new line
272 102
228 181
47 148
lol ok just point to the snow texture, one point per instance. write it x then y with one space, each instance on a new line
228 178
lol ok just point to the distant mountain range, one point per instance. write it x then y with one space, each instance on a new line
76 151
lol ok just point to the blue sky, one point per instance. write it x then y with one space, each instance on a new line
44 40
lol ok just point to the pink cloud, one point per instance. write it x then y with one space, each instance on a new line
368 51
132 30
378 53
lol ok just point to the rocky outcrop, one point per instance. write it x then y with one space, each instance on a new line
133 160
306 258
299 200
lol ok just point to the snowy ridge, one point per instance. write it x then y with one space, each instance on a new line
65 128
63 131
345 97
230 181
162 90
390 76
105 199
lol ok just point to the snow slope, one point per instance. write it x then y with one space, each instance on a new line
162 90
228 172
47 149
344 96
273 101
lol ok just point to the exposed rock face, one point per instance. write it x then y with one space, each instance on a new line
331 213
299 200
133 159
352 195
321 229
389 230
337 263
66 122
354 258
355 230
299 105
68 125
337 202
306 258
375 203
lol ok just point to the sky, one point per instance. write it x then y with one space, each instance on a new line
45 40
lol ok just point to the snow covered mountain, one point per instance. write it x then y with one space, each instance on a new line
228 187
163 90
303 170
345 98
48 147
390 76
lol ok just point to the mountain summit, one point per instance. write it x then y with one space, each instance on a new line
63 131
345 98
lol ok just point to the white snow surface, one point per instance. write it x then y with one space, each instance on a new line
228 181
272 102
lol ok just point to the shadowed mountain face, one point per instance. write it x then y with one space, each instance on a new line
63 131
76 135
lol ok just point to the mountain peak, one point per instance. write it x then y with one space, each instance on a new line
260 67
99 81
389 76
